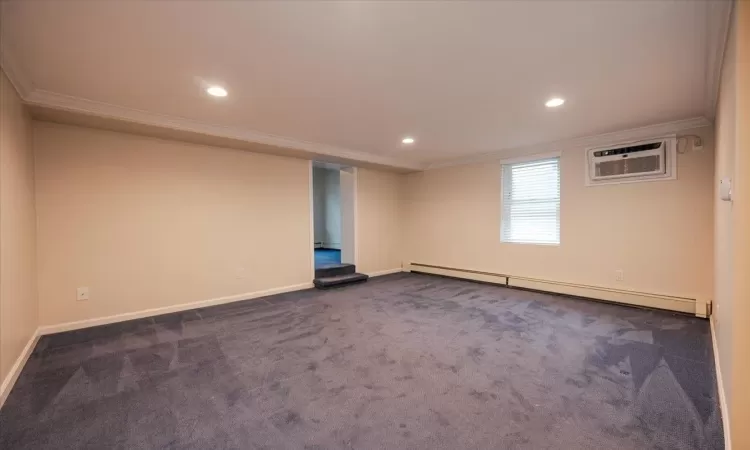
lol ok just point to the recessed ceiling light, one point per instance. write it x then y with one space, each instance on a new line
407 140
554 102
217 91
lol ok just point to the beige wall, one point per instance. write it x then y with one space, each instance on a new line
740 412
658 233
148 223
380 219
726 129
18 293
732 224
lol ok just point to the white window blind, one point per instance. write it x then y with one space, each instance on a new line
531 202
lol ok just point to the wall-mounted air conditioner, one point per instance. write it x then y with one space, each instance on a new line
646 160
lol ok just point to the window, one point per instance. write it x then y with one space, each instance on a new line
531 202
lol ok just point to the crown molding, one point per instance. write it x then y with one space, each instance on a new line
57 101
63 102
47 99
18 78
719 19
580 142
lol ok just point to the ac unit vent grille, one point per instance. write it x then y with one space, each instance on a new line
630 162
648 164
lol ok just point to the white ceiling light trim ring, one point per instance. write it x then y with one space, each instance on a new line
217 91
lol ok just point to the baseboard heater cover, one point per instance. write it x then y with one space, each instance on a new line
643 299
475 275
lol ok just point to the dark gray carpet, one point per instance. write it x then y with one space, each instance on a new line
403 361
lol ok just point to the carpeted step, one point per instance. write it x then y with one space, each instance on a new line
339 280
335 270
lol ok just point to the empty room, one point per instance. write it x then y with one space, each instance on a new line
375 224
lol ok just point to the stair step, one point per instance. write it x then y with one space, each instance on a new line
334 270
339 280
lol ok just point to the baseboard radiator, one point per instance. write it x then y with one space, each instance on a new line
700 308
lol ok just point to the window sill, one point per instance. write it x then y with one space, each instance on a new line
545 244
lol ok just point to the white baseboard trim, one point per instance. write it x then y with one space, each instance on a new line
384 272
76 325
720 387
15 371
650 300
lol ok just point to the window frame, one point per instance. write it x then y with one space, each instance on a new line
504 220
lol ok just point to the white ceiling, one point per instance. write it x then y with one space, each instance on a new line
354 78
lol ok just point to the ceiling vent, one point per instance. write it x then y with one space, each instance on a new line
647 160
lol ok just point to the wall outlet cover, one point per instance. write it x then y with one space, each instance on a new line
82 294
697 144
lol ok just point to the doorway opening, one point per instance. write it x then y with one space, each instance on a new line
333 197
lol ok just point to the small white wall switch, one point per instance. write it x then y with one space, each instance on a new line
82 294
619 275
725 189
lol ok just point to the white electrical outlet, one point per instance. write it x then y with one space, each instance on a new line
82 294
619 275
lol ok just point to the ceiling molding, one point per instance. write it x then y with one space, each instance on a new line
718 25
581 142
719 19
18 78
47 99
57 101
